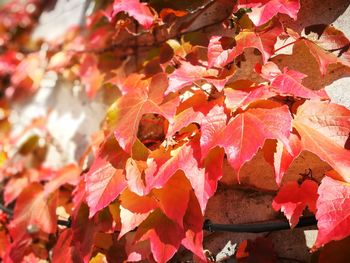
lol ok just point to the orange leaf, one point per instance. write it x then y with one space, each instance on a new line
34 207
137 10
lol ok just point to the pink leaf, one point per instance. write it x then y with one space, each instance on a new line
263 39
218 54
140 11
264 10
333 206
288 83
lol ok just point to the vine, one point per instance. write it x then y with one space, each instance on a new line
182 112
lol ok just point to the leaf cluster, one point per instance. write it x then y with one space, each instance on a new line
179 110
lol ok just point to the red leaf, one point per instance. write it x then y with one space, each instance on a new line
336 252
139 251
69 174
187 74
34 207
84 231
264 10
259 250
263 39
4 243
242 252
106 178
333 206
169 11
79 193
193 225
242 97
164 243
184 119
280 158
213 164
131 220
192 110
8 62
103 186
289 82
187 158
173 197
292 199
212 126
64 251
326 134
137 102
322 57
14 188
18 248
137 10
90 75
236 137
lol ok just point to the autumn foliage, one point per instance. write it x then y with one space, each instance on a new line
179 112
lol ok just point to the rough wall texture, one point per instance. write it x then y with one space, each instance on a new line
74 118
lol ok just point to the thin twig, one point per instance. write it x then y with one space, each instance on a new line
8 211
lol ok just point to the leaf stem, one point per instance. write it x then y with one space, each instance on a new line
287 45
